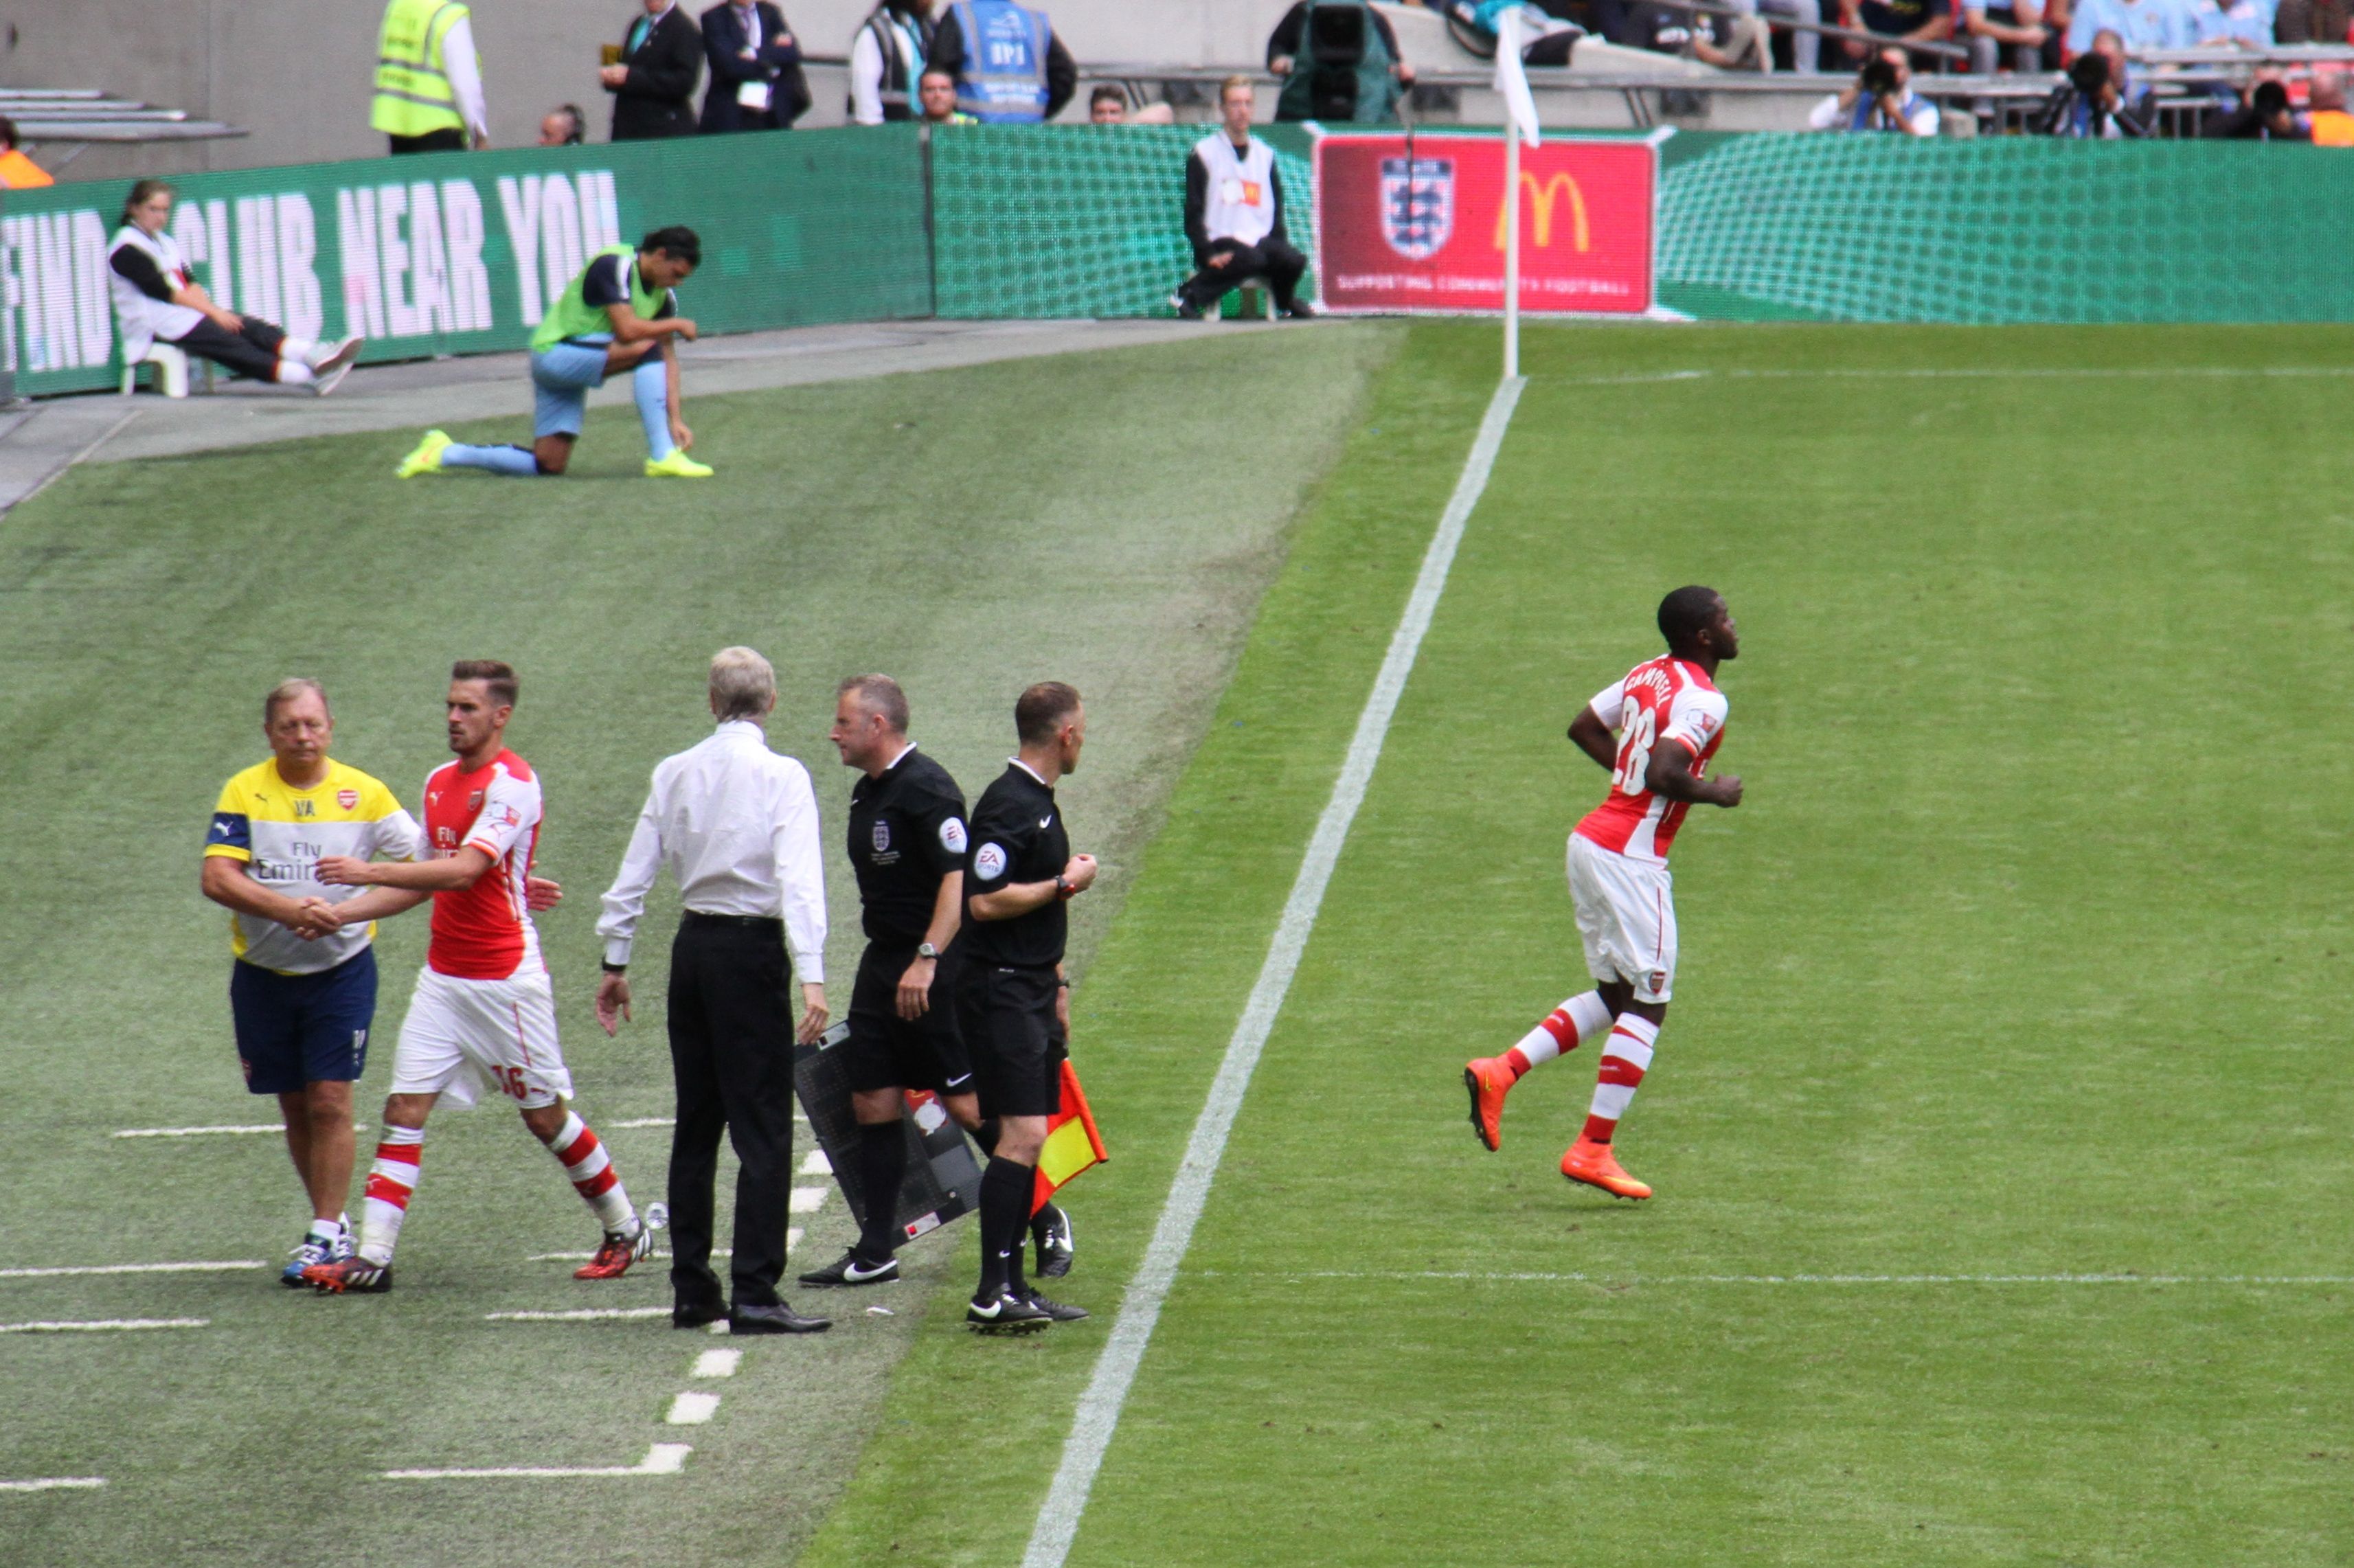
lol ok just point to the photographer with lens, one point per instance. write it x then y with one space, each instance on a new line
2097 101
1340 62
1881 100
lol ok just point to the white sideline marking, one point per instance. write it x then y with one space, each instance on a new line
577 1314
817 1164
1097 1415
646 1121
221 1267
103 1325
792 1238
208 1131
716 1363
662 1459
806 1200
691 1409
1630 1279
1973 373
56 1484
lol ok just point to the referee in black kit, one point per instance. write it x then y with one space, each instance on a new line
1012 1000
736 824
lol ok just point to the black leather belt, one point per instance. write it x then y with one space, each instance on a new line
748 922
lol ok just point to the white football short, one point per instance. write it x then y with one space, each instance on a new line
460 1032
1626 916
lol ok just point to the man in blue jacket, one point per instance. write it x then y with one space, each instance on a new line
755 83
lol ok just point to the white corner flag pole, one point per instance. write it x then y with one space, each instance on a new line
1521 113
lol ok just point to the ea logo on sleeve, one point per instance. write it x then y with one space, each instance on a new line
988 863
952 835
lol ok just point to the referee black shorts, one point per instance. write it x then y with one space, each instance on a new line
1017 1046
888 1051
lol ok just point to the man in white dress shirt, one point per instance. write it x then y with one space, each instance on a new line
736 825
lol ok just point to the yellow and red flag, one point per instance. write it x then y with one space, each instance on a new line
1072 1142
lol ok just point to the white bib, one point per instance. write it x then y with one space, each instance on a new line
1241 205
141 319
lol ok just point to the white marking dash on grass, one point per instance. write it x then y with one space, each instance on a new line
224 1266
792 1238
646 1121
1544 1278
214 1131
103 1325
56 1484
806 1200
1097 1416
692 1409
817 1164
577 1314
716 1363
662 1459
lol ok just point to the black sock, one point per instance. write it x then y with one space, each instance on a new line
1005 1189
985 1135
882 1166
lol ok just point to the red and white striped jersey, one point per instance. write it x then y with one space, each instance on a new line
484 932
1661 700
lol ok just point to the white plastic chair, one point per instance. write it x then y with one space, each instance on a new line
171 371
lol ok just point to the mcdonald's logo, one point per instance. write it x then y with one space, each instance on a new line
1541 200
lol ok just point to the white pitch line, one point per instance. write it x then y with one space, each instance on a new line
1980 373
222 1267
103 1325
210 1131
662 1459
806 1200
717 1364
577 1314
646 1121
817 1164
56 1484
1097 1416
1633 1279
692 1409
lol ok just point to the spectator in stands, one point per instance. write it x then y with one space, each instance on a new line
2241 24
935 89
1908 21
1010 68
1234 213
1731 43
2265 116
2142 23
1107 105
156 300
2090 104
2327 123
562 126
2312 21
1339 60
428 85
1550 39
1996 29
756 69
887 57
1806 47
652 84
17 172
1880 99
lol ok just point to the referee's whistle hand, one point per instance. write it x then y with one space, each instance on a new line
815 1014
612 1001
1081 872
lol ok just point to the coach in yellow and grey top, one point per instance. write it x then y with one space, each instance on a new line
429 87
302 990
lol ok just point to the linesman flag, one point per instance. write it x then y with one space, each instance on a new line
1513 77
1072 1142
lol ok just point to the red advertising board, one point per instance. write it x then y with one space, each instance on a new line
1425 230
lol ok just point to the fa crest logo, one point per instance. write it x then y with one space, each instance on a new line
882 836
1417 205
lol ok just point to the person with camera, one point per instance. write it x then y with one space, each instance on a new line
1339 60
2093 103
2264 116
1882 99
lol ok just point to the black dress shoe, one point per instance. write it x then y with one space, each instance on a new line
777 1320
683 1315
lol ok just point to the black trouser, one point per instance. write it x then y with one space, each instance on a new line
251 351
1272 259
449 139
731 1050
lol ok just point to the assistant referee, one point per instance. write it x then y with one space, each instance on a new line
1012 1000
736 824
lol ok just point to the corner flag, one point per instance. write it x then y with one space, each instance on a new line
1513 78
1521 111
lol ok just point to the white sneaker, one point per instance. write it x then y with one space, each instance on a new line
342 353
328 381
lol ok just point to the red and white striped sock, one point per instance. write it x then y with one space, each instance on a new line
1625 1059
1578 1019
584 1159
391 1181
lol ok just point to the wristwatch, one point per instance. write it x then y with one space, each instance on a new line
926 950
1064 889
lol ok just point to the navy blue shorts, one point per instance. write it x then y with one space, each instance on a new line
293 1030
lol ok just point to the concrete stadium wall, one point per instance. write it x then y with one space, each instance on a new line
296 73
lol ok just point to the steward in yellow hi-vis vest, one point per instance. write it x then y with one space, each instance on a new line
428 90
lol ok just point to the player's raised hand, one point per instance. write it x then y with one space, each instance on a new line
344 871
541 892
612 1001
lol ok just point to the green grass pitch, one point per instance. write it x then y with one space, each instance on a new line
2018 973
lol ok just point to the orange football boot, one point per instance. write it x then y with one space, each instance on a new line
613 1259
1490 1081
1593 1164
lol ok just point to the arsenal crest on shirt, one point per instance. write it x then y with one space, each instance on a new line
1417 205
